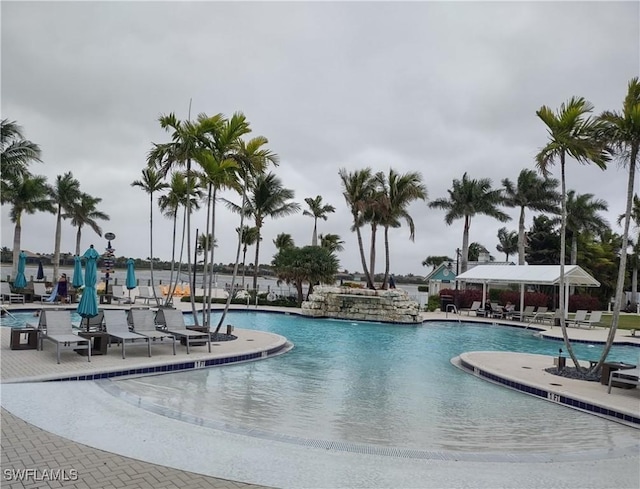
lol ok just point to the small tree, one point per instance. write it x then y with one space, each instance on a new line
309 264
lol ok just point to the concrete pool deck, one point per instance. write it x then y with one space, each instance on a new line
143 449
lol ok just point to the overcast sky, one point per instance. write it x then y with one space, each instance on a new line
441 88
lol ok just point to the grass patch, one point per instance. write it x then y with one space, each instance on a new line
626 321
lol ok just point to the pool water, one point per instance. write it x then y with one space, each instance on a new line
383 385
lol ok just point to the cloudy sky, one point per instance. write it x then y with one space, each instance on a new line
441 88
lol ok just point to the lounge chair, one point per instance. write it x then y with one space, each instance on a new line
627 376
143 323
551 317
55 326
94 323
579 318
474 307
116 325
173 322
540 314
118 294
40 291
146 294
594 319
524 315
10 296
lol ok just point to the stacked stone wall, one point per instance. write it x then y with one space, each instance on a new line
391 305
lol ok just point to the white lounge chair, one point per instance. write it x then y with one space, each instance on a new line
173 322
579 318
524 315
146 294
628 376
594 319
55 326
116 326
40 291
8 295
143 323
474 307
118 294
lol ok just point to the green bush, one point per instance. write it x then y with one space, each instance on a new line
433 303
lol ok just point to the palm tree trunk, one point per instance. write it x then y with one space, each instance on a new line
78 237
386 257
56 248
206 313
299 291
17 235
191 271
634 284
244 260
573 258
363 260
314 238
235 265
212 252
623 260
465 245
521 238
563 253
372 252
255 265
172 287
153 288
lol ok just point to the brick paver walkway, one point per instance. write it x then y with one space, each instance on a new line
25 446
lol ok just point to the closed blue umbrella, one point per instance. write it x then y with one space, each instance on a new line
131 276
88 306
21 281
40 274
77 281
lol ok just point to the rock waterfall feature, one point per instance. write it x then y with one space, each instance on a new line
393 305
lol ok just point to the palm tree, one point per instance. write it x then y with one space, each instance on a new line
252 159
188 139
282 240
357 188
622 131
151 182
468 198
530 192
16 153
219 172
249 236
571 132
509 242
317 211
332 242
635 243
435 261
65 194
399 191
268 198
83 213
582 217
25 194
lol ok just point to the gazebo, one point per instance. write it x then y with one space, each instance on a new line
528 275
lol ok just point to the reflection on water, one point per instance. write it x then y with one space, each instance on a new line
385 385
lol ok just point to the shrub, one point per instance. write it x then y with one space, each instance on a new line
423 288
584 301
433 303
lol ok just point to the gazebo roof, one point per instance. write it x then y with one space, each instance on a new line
528 274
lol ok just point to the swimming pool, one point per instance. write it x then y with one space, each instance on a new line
380 385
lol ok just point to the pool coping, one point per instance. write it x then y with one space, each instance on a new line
622 406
